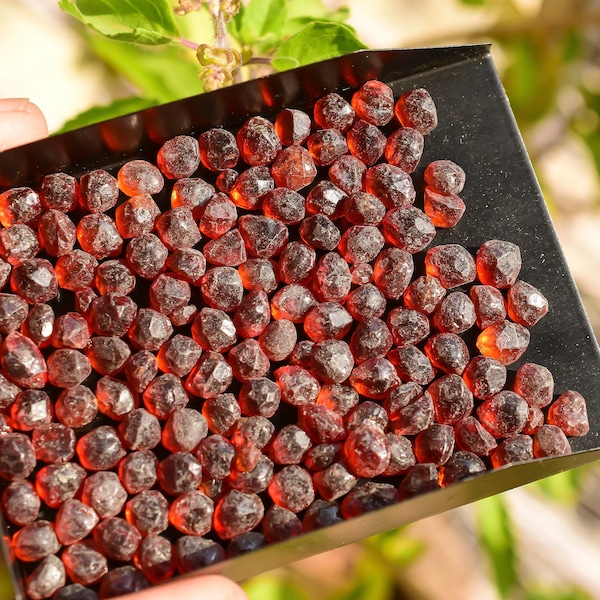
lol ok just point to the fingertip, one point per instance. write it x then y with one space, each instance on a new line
207 587
20 123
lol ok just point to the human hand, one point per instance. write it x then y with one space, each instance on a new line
207 587
21 122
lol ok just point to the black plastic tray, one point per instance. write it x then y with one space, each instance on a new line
478 131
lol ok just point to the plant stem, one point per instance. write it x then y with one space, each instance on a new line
188 44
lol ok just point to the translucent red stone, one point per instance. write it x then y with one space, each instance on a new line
435 444
280 524
84 563
498 263
404 148
59 191
374 102
35 541
472 436
100 449
54 442
460 466
47 578
515 449
292 126
347 173
503 414
237 513
490 307
31 409
104 492
137 472
374 378
505 341
19 205
452 399
534 383
258 142
292 488
136 216
526 305
155 559
18 243
74 521
17 456
550 440
366 142
485 377
165 394
447 352
569 412
211 376
293 168
179 157
193 193
452 264
367 450
148 512
98 235
117 539
417 109
76 407
218 149
20 502
392 272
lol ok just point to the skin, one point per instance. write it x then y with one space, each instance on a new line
22 122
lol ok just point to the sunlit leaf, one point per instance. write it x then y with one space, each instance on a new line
164 74
564 487
494 530
270 587
546 593
314 42
139 21
117 108
260 19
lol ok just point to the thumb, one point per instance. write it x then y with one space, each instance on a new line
21 122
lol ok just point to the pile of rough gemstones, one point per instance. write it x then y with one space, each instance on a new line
235 345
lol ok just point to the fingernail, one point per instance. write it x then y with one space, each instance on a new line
11 104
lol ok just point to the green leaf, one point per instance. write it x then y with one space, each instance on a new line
163 74
303 12
139 21
314 42
546 593
261 19
564 488
496 539
270 587
96 114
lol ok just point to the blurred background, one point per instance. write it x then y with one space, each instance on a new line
538 542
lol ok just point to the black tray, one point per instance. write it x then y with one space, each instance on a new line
478 131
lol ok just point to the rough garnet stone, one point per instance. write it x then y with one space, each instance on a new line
192 370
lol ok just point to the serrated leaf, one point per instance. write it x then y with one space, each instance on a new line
164 74
316 41
139 21
494 530
118 108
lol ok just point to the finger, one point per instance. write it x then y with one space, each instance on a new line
206 587
21 122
